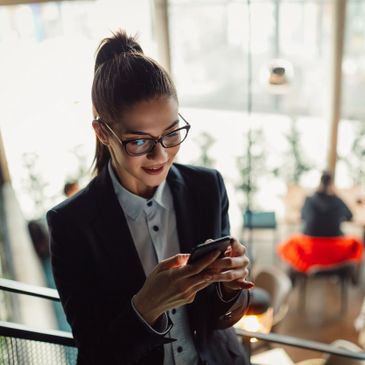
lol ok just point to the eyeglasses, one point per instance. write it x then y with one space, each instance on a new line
142 146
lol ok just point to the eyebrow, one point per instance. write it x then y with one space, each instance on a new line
141 133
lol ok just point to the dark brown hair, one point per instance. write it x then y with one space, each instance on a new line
123 77
326 181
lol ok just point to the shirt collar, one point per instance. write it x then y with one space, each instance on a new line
133 205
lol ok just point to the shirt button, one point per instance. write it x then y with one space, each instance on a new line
173 311
155 228
179 349
149 204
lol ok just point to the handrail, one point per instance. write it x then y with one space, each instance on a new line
8 329
15 330
66 339
301 343
32 290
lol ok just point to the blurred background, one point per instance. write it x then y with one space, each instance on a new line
274 92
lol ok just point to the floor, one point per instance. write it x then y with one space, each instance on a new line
321 320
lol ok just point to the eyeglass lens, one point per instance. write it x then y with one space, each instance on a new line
145 145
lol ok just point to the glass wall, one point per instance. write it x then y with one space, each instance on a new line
351 149
46 69
46 66
210 56
211 61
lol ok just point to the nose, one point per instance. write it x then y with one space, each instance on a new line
158 154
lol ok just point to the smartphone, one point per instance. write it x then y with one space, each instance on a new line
199 251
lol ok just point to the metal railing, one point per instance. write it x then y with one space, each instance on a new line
299 343
60 345
22 345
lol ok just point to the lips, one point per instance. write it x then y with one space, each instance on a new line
153 170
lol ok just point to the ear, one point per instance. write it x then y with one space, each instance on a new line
100 132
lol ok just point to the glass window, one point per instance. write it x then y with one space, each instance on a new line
210 60
46 68
351 138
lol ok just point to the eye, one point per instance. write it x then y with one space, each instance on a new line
173 133
138 142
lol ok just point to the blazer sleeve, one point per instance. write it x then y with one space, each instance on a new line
117 336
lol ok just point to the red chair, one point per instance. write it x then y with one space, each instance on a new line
323 256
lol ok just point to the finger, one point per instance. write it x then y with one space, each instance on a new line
228 251
242 283
239 285
230 275
238 249
173 262
246 285
197 284
227 263
199 266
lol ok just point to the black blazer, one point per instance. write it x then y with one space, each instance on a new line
97 271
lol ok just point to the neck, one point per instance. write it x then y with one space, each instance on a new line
146 192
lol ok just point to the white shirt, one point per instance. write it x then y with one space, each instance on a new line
152 224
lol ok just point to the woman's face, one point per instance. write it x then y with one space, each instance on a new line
141 175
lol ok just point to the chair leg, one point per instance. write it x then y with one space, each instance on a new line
344 294
302 295
246 342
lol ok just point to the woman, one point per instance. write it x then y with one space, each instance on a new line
119 247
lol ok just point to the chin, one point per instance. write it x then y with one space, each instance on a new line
154 181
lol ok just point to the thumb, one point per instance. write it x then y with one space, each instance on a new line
172 262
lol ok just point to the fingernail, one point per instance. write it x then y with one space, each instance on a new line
248 284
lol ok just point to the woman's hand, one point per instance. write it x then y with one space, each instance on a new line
232 269
172 284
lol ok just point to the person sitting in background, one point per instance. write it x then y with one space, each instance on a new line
38 232
323 212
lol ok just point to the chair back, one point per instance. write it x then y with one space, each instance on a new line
259 220
339 360
277 283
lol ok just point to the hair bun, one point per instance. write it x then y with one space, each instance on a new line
116 45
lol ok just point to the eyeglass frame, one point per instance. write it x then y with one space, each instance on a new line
151 138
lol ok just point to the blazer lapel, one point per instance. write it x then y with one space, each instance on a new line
115 235
184 202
